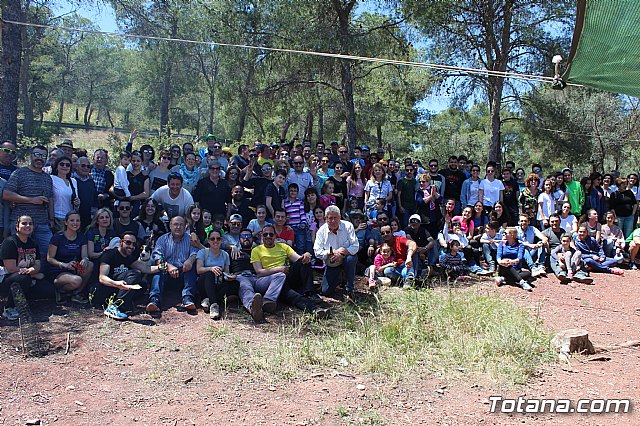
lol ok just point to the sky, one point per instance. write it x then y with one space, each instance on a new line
104 18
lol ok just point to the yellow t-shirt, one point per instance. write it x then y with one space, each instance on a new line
271 257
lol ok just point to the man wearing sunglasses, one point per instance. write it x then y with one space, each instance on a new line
124 222
120 269
406 256
86 191
303 179
213 151
7 157
212 192
280 272
31 190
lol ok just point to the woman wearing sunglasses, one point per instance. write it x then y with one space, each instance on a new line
212 266
65 195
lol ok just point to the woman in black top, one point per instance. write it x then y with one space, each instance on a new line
149 218
138 183
624 203
21 260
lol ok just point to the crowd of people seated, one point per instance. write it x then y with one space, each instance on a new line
257 223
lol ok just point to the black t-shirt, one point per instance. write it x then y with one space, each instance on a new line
510 196
243 263
453 183
553 237
420 236
277 196
25 254
136 183
5 171
117 262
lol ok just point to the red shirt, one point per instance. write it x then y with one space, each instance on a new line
285 236
399 246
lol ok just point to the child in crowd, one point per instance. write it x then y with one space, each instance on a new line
383 260
297 218
206 221
452 231
121 181
395 228
490 239
454 263
379 207
327 198
256 225
568 257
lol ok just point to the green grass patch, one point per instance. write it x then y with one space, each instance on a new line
403 334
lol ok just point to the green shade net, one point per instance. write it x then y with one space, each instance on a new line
605 51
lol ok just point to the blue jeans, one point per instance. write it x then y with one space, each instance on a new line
42 234
597 266
331 275
402 271
626 224
490 256
300 240
535 257
160 280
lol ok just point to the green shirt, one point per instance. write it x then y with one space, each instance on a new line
407 189
576 197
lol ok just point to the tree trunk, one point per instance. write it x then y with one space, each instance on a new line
244 101
573 340
61 110
379 135
10 70
285 130
109 118
166 86
495 104
77 113
308 127
27 105
88 107
349 105
320 123
212 98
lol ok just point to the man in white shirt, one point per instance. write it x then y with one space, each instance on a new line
173 197
337 244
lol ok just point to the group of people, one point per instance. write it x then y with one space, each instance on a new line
256 224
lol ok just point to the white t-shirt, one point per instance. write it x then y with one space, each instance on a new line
548 205
62 196
173 206
567 224
491 193
474 186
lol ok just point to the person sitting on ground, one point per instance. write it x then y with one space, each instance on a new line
426 250
554 235
570 261
212 266
613 241
510 259
284 233
383 260
490 239
534 243
337 245
70 267
406 257
20 258
176 256
593 256
634 244
120 277
453 262
279 271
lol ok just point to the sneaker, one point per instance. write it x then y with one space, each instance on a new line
322 313
187 303
543 270
563 278
409 282
256 308
113 312
499 281
214 312
475 269
372 284
269 306
525 286
153 305
617 271
633 266
79 298
11 314
484 272
583 279
204 303
535 272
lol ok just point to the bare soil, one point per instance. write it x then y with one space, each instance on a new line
157 371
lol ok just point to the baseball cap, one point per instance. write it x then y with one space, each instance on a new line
416 217
364 148
234 217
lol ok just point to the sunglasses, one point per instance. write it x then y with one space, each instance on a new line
268 234
9 150
217 147
246 236
215 239
85 166
433 165
423 181
125 208
128 243
164 157
342 152
267 169
39 155
148 151
64 164
385 232
298 162
253 156
414 221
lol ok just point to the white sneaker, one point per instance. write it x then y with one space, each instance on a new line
11 314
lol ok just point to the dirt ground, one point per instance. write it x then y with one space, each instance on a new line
152 371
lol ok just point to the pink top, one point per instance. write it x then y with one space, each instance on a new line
358 191
467 229
379 260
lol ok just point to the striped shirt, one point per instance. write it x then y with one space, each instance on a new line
174 252
295 212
